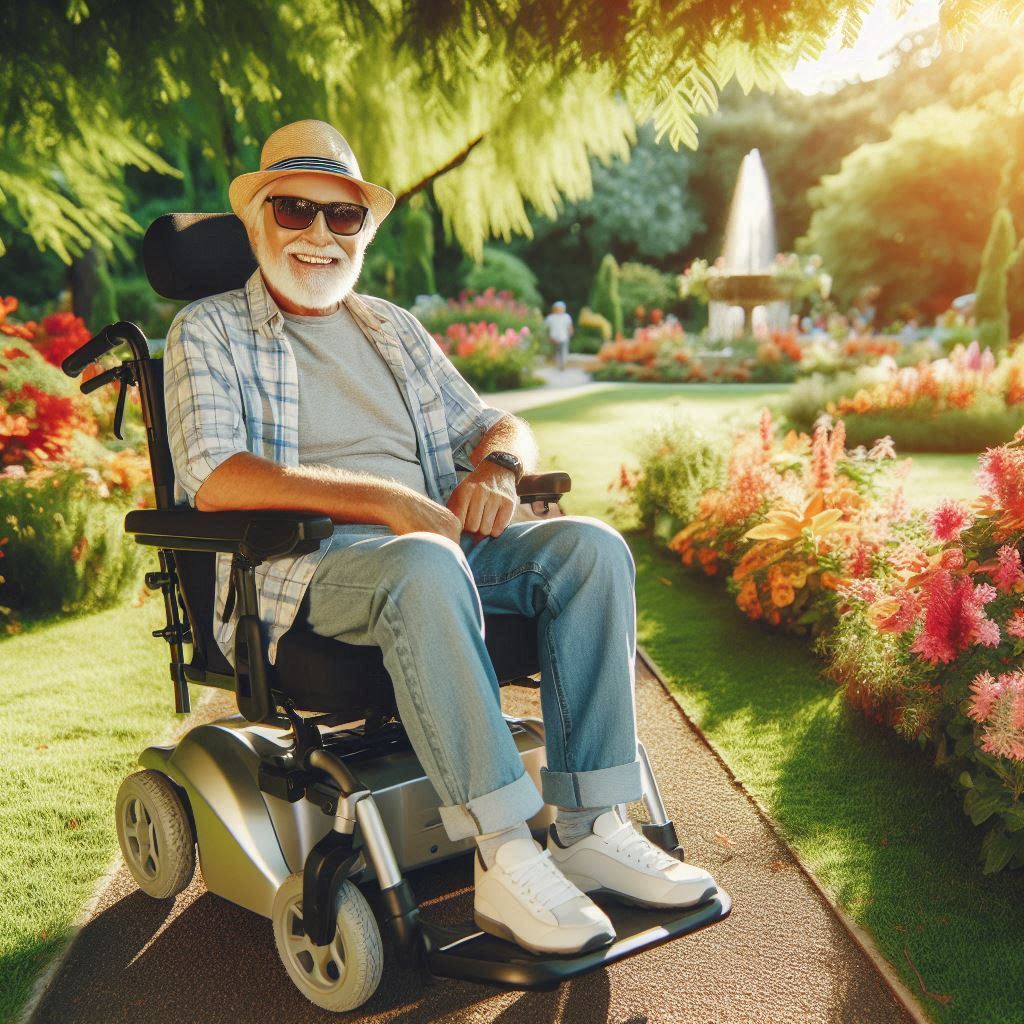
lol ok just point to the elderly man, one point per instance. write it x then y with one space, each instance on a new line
295 393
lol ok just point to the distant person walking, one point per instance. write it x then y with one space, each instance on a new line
559 325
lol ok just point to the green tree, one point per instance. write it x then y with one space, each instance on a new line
493 104
604 297
911 213
991 312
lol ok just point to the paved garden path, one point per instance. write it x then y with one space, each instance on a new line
783 955
558 384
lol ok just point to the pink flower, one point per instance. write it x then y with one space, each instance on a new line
973 359
986 690
1015 625
948 520
1001 477
999 706
954 617
1009 571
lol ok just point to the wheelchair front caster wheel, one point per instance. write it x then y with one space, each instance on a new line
155 834
340 976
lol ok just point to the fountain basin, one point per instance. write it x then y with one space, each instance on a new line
749 290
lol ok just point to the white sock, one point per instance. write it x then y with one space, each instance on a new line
488 843
576 823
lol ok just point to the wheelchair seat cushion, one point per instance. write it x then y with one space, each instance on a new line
325 675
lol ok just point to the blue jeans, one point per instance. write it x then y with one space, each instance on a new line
421 598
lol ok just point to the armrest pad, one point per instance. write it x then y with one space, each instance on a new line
256 535
543 486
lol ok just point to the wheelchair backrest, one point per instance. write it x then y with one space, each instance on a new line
189 256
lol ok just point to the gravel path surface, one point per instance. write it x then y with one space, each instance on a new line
782 955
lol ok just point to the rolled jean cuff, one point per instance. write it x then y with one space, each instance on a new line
501 808
601 787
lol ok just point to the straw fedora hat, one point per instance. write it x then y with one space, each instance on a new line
304 147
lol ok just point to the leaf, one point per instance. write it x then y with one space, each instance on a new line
997 850
981 808
966 781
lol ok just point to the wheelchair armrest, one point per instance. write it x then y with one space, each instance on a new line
543 487
255 535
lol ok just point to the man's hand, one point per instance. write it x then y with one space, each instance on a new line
485 500
414 512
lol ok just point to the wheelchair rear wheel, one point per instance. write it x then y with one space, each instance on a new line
155 834
342 975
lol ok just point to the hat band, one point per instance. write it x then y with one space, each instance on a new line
311 163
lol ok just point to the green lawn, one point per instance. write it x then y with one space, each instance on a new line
864 810
81 699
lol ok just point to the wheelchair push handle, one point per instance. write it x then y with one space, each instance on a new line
113 335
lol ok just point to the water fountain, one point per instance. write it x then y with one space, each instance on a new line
747 296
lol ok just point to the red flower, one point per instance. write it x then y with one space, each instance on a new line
954 617
65 332
1009 571
948 520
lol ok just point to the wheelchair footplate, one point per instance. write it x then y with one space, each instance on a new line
473 955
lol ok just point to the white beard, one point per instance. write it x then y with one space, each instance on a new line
307 286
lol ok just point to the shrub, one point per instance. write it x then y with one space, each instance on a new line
592 331
489 359
604 296
41 409
502 309
63 539
503 272
990 309
642 287
678 462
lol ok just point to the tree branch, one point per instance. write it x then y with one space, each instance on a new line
434 175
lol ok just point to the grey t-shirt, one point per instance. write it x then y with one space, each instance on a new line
351 412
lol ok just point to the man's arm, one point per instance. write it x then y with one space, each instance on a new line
249 482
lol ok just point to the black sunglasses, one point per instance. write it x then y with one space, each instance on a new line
297 214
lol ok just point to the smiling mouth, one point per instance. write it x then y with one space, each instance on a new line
314 261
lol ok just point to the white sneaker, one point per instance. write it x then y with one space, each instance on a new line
617 860
524 898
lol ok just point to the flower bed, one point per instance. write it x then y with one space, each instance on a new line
490 360
965 402
491 337
664 353
920 618
501 309
63 491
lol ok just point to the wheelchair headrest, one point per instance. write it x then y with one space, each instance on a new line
192 255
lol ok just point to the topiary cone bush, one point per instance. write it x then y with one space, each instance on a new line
604 296
991 311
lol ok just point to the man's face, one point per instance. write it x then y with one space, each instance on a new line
310 288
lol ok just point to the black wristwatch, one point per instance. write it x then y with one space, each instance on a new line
508 460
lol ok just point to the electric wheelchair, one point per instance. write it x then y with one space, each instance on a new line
311 795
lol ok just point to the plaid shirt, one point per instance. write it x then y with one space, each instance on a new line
231 385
